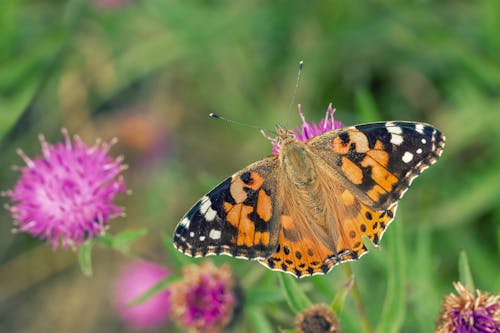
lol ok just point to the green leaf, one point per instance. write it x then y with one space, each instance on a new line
123 240
393 312
259 295
258 320
85 258
340 297
464 271
295 297
160 286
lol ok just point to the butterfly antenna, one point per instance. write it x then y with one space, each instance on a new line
301 64
217 116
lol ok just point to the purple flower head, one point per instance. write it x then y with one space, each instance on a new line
133 281
205 299
310 130
470 313
66 196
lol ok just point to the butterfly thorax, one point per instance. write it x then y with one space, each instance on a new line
297 163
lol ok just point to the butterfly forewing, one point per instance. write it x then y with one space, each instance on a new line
380 160
361 172
238 217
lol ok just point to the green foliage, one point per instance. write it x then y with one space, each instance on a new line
295 297
85 258
149 72
122 241
464 271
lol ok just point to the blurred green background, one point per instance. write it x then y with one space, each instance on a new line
148 72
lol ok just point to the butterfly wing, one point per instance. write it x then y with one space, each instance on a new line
362 173
323 226
239 217
378 161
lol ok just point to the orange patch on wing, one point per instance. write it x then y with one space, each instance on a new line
246 228
264 206
380 174
352 171
380 156
286 222
257 181
375 192
345 241
360 140
227 206
378 145
233 214
347 197
237 192
339 147
261 238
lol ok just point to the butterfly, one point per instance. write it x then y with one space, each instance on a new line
306 209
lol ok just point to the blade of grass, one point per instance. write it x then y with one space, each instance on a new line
393 312
340 297
464 271
160 286
365 324
260 295
258 320
295 297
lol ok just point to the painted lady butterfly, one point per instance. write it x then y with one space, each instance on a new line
306 209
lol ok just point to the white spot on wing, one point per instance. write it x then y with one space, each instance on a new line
206 209
396 139
185 222
214 234
419 128
205 204
407 157
210 215
419 151
395 131
202 238
424 141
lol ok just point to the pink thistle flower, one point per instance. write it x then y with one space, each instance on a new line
132 282
310 130
477 312
66 196
204 301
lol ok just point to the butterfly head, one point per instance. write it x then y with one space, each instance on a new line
282 137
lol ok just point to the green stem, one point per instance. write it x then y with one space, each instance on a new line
365 324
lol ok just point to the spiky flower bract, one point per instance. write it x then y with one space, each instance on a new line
470 312
66 196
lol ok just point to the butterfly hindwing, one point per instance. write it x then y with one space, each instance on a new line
380 160
362 173
323 225
304 220
237 218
